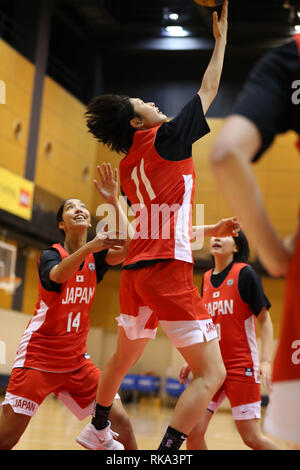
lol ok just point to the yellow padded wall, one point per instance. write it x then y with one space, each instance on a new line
18 75
66 152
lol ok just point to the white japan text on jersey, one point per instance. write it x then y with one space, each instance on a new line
235 323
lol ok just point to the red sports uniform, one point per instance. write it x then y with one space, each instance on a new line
160 189
152 183
55 338
52 352
235 323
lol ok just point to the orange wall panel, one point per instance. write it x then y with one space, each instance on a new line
18 74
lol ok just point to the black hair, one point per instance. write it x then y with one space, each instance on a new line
108 119
243 252
59 216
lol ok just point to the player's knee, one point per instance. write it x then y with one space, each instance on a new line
211 383
212 378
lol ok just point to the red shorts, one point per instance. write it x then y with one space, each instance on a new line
164 293
244 397
28 388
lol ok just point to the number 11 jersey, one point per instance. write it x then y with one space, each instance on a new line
158 179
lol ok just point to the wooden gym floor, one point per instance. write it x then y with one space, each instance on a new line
55 428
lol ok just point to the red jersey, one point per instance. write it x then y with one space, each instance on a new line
55 337
161 193
235 323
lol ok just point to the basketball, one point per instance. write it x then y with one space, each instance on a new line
209 3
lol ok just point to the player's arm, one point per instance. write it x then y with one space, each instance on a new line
252 293
107 187
62 271
258 116
211 79
236 146
48 259
116 256
224 228
266 337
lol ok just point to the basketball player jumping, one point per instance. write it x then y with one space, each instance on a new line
157 279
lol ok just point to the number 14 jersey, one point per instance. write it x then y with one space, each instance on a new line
55 337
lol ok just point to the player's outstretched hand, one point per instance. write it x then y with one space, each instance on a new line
227 228
220 27
108 185
107 240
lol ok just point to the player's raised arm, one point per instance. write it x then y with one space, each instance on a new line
211 79
224 228
107 187
62 271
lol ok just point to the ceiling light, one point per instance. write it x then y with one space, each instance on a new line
176 31
173 16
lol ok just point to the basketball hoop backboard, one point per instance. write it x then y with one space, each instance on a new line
8 256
